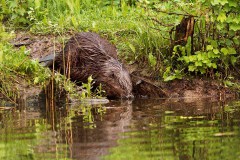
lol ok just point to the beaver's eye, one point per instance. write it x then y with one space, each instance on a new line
112 75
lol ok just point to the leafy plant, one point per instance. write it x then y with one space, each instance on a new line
87 89
212 58
169 75
87 86
216 39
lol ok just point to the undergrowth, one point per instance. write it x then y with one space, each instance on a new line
16 68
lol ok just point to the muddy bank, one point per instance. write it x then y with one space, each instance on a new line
177 89
144 86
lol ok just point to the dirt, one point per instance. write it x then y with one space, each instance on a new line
144 86
39 45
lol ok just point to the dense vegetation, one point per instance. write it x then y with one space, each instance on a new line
145 32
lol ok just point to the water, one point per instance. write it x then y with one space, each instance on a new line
143 129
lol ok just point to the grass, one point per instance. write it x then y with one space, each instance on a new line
123 25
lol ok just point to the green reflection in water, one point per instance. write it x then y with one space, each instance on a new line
30 135
27 139
173 136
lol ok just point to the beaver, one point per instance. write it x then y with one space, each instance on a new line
87 54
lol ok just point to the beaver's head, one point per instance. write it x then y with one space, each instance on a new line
115 79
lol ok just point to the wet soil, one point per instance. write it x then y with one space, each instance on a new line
144 85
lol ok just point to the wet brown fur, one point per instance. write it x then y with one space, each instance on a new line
87 54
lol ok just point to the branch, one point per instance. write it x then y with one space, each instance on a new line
173 13
162 24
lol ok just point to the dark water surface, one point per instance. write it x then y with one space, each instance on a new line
139 130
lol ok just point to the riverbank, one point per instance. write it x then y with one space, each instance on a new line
144 84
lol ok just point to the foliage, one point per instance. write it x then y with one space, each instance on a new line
210 59
216 35
17 61
16 68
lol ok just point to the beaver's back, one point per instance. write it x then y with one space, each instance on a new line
87 54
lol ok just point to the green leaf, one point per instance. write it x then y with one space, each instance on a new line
214 43
90 79
214 65
198 63
234 27
236 20
236 40
132 48
214 2
74 22
231 50
184 58
191 68
210 54
228 83
228 42
183 50
192 58
202 70
13 4
233 60
199 57
37 4
207 61
36 80
169 78
152 60
223 2
220 26
224 51
222 17
232 3
20 11
215 51
209 47
175 49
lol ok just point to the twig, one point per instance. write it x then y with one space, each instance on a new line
173 13
162 24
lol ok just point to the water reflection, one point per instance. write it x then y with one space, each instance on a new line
142 129
181 130
95 142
